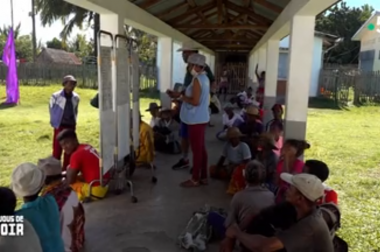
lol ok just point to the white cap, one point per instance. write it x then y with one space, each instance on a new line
309 185
27 179
197 59
188 46
68 78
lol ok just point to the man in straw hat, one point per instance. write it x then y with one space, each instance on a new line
309 233
166 133
252 124
42 212
188 48
235 152
70 209
154 110
63 109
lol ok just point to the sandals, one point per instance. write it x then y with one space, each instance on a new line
190 183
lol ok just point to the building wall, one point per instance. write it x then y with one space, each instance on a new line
370 42
316 68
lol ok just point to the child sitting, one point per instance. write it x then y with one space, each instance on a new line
166 133
236 153
230 119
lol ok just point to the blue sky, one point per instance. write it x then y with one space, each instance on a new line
23 7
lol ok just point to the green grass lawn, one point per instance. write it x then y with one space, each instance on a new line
347 140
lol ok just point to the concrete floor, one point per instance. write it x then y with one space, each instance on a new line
154 223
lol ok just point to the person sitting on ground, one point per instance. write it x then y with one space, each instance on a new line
166 133
42 212
29 242
154 110
84 167
230 119
71 210
289 162
277 129
310 231
263 154
235 152
252 127
277 113
246 203
145 152
321 170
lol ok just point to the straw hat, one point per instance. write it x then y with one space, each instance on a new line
152 106
27 180
197 59
188 46
268 140
251 110
50 165
228 105
234 132
68 78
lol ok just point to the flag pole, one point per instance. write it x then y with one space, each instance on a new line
12 20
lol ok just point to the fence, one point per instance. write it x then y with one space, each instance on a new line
237 75
346 86
86 75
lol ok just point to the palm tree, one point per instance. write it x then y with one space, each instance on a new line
4 31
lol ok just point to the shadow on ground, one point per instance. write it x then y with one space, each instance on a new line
6 106
325 103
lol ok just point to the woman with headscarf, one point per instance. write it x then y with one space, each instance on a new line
195 114
29 242
230 119
71 210
41 211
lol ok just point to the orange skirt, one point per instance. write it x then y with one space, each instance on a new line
237 182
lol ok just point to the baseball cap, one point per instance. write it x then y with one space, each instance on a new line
309 185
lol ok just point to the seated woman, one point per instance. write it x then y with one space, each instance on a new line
277 129
246 203
166 133
230 119
84 167
71 210
154 110
321 171
29 242
290 163
41 211
277 113
236 153
264 154
251 128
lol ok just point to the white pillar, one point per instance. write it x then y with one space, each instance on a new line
255 61
271 75
262 61
301 47
212 63
165 68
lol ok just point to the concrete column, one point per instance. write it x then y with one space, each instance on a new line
212 63
165 68
270 95
301 46
255 61
262 59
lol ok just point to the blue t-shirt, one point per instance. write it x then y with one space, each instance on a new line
43 214
236 155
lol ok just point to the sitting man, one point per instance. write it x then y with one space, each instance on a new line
321 171
166 133
309 233
252 127
154 110
246 203
29 241
236 153
230 119
84 167
41 211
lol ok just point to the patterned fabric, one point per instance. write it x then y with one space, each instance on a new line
72 216
237 182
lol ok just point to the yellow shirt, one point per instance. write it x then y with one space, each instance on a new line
145 153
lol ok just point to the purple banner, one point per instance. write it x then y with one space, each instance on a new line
9 59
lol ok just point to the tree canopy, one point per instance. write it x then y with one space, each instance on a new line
343 21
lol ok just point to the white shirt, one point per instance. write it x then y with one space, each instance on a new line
154 121
230 122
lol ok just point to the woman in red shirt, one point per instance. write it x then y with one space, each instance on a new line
321 171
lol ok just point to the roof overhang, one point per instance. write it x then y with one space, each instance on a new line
358 35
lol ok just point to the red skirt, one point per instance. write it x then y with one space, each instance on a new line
237 182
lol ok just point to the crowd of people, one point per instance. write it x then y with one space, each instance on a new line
280 203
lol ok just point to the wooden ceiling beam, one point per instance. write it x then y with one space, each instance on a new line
239 9
147 4
222 26
190 12
220 11
269 6
171 10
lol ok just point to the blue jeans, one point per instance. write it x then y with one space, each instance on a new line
184 130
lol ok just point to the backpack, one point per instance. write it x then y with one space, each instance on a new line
332 215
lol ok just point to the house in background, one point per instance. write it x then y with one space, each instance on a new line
322 42
369 37
56 56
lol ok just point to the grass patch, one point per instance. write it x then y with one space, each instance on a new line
345 139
